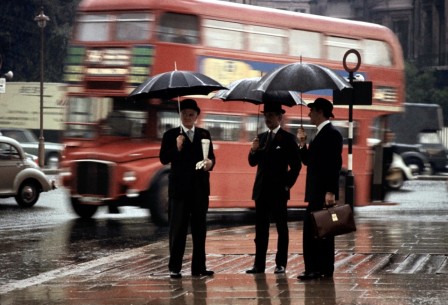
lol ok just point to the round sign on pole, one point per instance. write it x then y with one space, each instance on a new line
344 60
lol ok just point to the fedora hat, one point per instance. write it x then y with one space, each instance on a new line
273 107
189 104
323 104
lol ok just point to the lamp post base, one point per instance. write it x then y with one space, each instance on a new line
350 188
41 152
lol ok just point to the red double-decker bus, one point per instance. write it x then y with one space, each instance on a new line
112 143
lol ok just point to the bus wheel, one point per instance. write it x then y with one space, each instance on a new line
28 194
83 210
158 203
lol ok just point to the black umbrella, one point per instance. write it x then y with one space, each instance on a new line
244 90
302 77
176 83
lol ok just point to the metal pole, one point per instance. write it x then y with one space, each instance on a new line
41 126
41 20
350 179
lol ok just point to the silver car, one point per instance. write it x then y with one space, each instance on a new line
21 177
30 143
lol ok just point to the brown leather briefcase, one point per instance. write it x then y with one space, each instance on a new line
333 221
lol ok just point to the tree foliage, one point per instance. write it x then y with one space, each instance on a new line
20 37
422 86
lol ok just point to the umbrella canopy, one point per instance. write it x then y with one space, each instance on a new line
301 77
176 83
244 90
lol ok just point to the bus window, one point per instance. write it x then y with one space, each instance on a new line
133 26
93 27
254 126
377 53
266 40
294 124
221 34
166 120
223 127
305 43
83 115
337 46
179 28
124 123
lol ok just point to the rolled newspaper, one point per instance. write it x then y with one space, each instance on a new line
205 150
205 147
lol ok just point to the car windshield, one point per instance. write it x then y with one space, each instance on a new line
21 136
429 138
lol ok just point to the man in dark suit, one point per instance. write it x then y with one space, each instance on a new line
276 154
324 161
189 188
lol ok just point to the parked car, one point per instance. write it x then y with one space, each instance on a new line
21 176
398 173
30 143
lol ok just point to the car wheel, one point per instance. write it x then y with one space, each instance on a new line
395 180
416 165
158 201
85 211
28 194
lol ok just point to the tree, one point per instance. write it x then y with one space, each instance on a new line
422 86
20 37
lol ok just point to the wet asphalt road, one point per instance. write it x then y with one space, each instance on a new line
49 236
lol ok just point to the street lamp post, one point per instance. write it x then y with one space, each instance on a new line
41 20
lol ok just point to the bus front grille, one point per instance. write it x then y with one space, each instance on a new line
93 178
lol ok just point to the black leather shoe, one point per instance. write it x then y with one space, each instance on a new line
279 270
309 276
203 273
327 275
254 270
175 275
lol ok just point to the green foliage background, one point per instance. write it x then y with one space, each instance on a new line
20 49
20 37
426 86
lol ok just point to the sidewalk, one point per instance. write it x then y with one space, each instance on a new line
398 259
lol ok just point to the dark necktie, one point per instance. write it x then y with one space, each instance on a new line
269 139
190 134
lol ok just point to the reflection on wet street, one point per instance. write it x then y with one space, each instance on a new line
398 255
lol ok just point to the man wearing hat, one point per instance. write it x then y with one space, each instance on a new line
276 155
323 158
189 188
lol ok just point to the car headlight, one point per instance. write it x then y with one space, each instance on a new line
129 177
65 172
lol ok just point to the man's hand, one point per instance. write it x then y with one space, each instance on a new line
330 199
180 142
301 136
255 144
207 164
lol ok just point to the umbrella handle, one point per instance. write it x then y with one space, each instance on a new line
180 118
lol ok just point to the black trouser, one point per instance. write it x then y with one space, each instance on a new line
318 254
265 210
182 211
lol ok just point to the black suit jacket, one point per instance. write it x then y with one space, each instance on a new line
184 178
323 158
278 165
